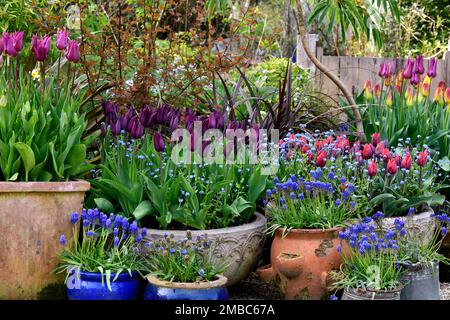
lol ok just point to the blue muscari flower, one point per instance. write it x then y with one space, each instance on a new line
283 207
301 196
268 192
338 202
62 240
134 227
293 178
331 175
403 232
90 233
383 245
341 235
410 211
74 217
125 224
366 220
85 222
352 204
118 221
139 238
265 202
116 231
373 236
444 231
172 250
201 273
116 241
83 214
292 195
351 187
343 180
346 194
108 223
352 243
339 248
282 201
361 249
378 215
394 247
183 252
333 297
276 180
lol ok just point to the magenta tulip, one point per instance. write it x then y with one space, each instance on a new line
432 68
409 67
61 39
158 142
8 43
419 65
41 47
72 54
18 41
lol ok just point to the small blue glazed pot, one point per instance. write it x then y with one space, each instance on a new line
165 290
88 286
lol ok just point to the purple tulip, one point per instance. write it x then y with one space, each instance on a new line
415 79
432 68
130 123
72 53
174 123
136 129
392 68
409 67
212 121
18 41
419 65
40 47
61 39
158 142
2 46
115 128
384 70
8 43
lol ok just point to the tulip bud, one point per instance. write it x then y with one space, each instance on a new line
8 43
415 79
367 151
392 166
372 168
368 90
389 99
423 158
432 68
376 139
386 155
447 96
158 142
409 67
321 159
406 162
419 65
72 53
439 93
18 41
377 90
409 95
61 39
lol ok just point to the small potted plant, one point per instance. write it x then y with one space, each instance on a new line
370 268
184 270
421 259
105 264
305 217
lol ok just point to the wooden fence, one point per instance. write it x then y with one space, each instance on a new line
354 71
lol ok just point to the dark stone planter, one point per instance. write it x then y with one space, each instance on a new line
421 283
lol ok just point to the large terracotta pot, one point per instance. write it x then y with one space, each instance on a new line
33 215
240 247
300 262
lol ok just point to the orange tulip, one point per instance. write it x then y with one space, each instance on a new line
389 99
368 90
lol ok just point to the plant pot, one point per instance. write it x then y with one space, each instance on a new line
300 262
89 286
421 283
165 290
240 247
362 294
421 226
33 215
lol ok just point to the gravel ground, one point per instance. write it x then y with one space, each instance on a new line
253 288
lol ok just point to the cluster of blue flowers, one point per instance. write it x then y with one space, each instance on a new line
367 236
443 219
95 223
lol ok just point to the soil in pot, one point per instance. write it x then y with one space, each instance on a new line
165 290
362 294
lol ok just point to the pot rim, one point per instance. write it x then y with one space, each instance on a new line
397 289
314 231
40 186
425 213
259 221
97 276
219 282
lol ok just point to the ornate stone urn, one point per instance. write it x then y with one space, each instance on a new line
239 247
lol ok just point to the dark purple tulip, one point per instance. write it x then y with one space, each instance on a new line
131 123
158 142
125 120
415 79
419 65
40 47
61 39
212 121
174 123
145 116
409 67
219 120
8 43
384 70
432 68
115 128
72 54
136 129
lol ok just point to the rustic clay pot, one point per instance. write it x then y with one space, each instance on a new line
239 247
33 215
421 224
300 262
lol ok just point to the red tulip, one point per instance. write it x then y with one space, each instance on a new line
392 166
406 162
379 149
376 139
372 168
321 159
367 151
398 160
423 158
386 155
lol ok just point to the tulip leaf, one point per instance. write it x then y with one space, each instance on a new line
27 155
143 209
104 205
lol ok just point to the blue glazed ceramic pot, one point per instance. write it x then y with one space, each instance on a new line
164 290
89 286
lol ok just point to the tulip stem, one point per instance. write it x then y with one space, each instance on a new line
43 74
68 79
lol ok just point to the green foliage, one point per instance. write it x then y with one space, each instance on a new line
189 260
40 131
17 15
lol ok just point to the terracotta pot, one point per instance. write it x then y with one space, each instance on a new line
300 262
361 294
33 215
421 225
240 247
